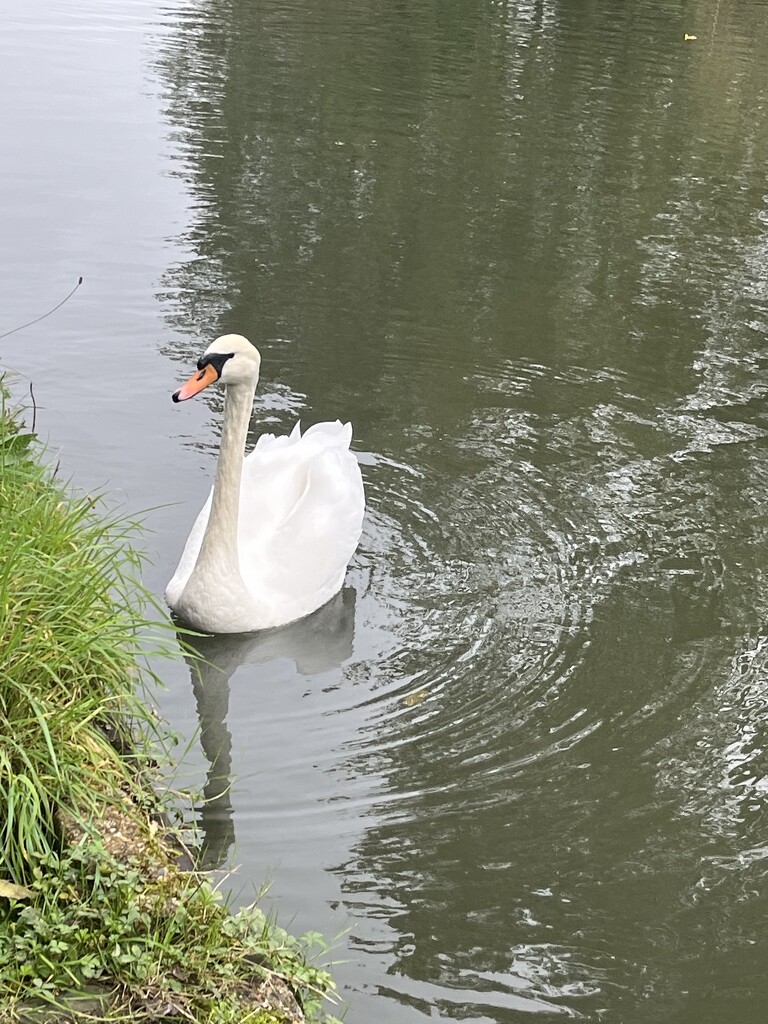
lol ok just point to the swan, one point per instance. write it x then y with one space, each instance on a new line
273 540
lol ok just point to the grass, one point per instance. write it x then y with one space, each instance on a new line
70 642
141 938
168 949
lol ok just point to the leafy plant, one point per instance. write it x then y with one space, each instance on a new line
165 942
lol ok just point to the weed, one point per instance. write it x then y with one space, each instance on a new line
168 947
70 637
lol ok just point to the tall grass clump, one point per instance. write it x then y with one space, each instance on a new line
69 644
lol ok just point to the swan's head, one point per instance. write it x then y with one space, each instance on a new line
232 359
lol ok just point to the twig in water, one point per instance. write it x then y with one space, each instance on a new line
37 319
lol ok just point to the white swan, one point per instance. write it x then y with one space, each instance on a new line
273 540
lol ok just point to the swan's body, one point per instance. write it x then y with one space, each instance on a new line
273 540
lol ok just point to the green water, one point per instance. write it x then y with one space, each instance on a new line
522 246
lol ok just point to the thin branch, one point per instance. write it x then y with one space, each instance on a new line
34 405
37 319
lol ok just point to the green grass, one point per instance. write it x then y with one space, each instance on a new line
168 949
70 638
76 741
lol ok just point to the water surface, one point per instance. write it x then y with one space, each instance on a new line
522 246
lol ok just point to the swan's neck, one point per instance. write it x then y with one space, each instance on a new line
215 586
220 540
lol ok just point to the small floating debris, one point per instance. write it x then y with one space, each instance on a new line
412 699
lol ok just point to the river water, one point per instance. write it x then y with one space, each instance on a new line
520 763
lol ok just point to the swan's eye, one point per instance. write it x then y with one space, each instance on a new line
216 360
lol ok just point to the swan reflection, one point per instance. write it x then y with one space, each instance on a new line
319 643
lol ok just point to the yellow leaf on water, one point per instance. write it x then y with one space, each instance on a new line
14 892
415 698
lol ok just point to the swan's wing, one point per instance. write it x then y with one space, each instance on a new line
300 518
301 514
267 443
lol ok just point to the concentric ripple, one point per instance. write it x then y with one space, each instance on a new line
522 247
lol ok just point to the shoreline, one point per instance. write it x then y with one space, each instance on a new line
97 915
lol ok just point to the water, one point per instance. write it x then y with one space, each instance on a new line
521 758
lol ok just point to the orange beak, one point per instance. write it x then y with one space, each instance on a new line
196 384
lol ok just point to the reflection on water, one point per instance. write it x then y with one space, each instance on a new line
521 246
317 644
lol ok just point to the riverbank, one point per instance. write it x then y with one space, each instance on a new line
97 915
